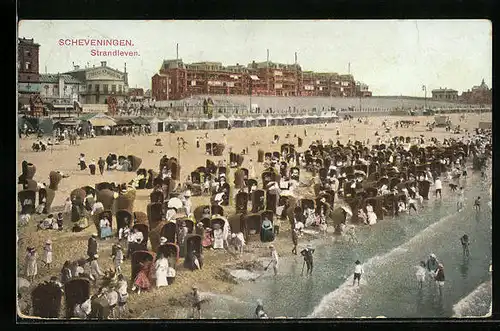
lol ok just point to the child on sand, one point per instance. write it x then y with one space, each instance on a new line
358 271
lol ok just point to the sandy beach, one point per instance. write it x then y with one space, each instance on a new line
165 302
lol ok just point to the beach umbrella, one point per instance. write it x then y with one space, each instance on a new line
174 203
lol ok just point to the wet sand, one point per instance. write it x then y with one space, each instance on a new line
164 303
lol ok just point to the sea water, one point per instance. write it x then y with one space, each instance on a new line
389 252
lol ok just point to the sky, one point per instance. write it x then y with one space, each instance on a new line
394 57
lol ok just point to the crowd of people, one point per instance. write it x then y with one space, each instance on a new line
161 271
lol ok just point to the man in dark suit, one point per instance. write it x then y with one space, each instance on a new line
92 246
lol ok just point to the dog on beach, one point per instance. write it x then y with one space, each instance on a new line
453 187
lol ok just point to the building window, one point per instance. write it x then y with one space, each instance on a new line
90 87
105 88
113 88
28 53
27 65
120 88
28 77
97 87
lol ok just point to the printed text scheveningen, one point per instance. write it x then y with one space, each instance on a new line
95 42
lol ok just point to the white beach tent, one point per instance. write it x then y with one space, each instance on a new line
249 121
262 120
154 125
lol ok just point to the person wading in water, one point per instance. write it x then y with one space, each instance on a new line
477 204
465 245
307 253
440 278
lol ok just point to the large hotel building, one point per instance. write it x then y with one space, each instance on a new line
177 80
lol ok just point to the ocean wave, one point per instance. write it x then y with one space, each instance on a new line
474 301
331 303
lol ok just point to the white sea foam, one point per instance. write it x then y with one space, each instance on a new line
330 304
472 301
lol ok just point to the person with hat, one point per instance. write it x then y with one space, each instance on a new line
118 258
47 253
432 264
81 162
112 298
307 253
92 248
105 227
121 289
92 166
142 281
48 223
439 277
100 164
95 270
31 265
187 202
161 270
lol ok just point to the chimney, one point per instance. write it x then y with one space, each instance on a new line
103 63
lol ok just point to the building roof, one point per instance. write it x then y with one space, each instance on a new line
172 64
94 68
139 121
54 78
85 117
25 41
102 121
443 90
123 121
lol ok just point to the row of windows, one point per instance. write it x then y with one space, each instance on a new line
105 88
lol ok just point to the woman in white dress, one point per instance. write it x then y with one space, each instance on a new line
218 238
372 217
31 263
161 268
47 253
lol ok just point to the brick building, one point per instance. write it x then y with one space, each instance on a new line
136 94
478 95
28 69
177 80
362 90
